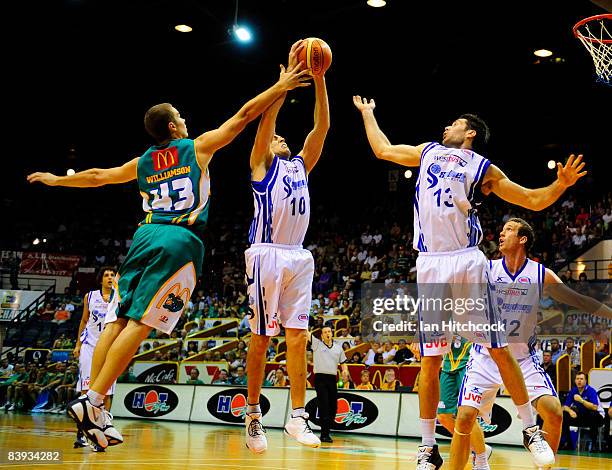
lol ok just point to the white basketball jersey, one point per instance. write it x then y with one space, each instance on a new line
448 179
518 295
95 322
282 204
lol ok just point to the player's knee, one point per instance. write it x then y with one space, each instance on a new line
551 410
296 338
466 417
259 344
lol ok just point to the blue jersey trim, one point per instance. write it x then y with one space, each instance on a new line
482 169
518 272
260 186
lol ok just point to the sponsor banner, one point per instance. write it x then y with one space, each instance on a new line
505 427
360 411
208 370
38 356
601 380
153 401
53 264
14 301
227 404
155 372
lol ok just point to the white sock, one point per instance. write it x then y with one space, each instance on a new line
253 409
428 431
527 415
298 412
481 460
95 398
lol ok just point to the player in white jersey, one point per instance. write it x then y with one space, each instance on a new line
520 283
446 234
95 306
279 271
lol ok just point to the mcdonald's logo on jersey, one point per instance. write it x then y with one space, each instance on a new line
175 298
164 159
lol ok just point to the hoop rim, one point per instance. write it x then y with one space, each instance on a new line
584 21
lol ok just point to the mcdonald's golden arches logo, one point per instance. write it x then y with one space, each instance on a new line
164 159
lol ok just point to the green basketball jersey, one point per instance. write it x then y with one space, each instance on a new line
174 189
458 356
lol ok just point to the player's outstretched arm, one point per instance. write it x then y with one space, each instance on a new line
406 155
313 146
209 142
261 155
497 182
89 178
554 287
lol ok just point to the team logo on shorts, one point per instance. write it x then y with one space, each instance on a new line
303 317
173 303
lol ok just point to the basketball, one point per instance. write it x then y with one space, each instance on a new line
317 56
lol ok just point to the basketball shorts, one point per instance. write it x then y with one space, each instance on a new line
85 358
482 381
450 385
157 277
457 279
279 286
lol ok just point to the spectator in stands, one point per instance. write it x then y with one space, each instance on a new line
365 381
555 350
194 377
61 315
374 349
345 382
242 346
216 356
549 367
309 358
6 369
280 380
573 353
601 340
356 358
65 391
378 359
582 408
388 353
54 379
241 378
34 389
158 356
59 342
222 378
403 354
16 387
389 381
46 313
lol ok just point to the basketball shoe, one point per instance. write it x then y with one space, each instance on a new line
428 458
113 436
256 440
89 419
299 429
534 442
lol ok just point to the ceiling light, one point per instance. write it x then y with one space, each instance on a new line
377 3
542 53
183 28
70 172
243 34
408 174
551 164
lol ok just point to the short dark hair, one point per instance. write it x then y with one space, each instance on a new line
582 373
525 230
476 123
102 270
156 121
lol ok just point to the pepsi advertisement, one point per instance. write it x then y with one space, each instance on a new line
153 401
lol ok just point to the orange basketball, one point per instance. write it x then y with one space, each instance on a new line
316 56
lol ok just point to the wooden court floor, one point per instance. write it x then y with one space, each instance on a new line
170 445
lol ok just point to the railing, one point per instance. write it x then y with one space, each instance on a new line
28 282
595 269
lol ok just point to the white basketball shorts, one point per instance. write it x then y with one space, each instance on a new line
457 278
482 381
279 286
85 359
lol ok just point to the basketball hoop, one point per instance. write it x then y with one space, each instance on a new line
595 34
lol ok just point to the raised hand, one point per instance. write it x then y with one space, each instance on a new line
45 178
294 77
570 173
362 104
294 53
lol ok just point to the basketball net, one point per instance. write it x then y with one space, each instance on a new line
594 33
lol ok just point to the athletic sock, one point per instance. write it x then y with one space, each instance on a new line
95 398
297 412
251 409
527 415
428 430
481 460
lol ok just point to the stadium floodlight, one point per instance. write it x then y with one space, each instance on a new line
376 3
183 28
408 174
242 33
70 172
542 53
36 241
551 164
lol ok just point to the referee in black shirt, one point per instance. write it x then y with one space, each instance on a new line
327 355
